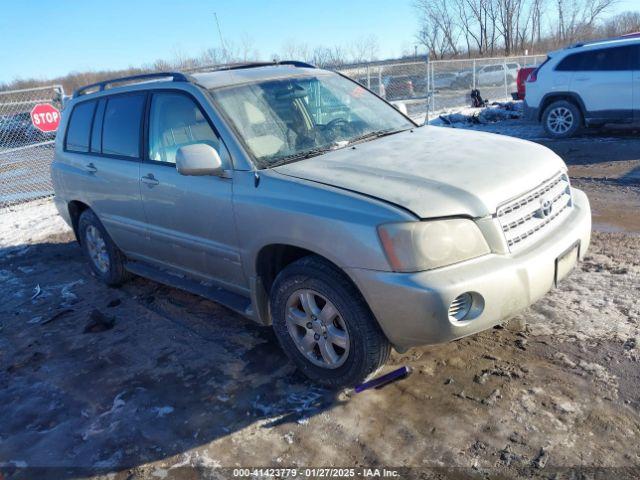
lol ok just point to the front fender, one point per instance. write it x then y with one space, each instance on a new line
336 224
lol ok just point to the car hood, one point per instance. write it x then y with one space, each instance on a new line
435 171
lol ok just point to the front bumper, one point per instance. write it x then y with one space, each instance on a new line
412 308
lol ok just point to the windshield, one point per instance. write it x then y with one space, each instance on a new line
296 117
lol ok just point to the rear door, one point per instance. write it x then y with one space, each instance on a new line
117 139
190 218
636 84
603 78
103 144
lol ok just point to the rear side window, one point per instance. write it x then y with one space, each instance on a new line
571 63
122 124
80 127
603 60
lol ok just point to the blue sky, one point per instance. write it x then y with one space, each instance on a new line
48 38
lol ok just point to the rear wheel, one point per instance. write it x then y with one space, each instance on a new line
324 325
561 119
105 259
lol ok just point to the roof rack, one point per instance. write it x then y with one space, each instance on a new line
181 77
175 76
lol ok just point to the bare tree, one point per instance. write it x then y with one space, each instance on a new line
364 49
432 38
577 18
622 24
440 30
486 27
247 52
293 50
474 19
508 14
330 57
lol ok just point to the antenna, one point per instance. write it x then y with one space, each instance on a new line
224 47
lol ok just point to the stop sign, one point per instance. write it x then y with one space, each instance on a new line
45 117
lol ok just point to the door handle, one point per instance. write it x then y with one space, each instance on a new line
150 180
90 167
582 79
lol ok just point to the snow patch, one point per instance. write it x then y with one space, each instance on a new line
29 223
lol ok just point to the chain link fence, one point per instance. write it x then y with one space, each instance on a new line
405 82
430 88
451 81
25 152
425 89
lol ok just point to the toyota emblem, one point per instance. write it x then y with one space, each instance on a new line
545 208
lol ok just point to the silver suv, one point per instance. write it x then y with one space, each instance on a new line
301 200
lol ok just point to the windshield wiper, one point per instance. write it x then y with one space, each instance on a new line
376 134
301 155
335 146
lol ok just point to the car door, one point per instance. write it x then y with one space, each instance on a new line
190 219
103 146
636 84
603 79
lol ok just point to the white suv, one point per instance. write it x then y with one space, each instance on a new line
588 84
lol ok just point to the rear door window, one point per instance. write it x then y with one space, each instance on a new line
602 60
122 125
80 127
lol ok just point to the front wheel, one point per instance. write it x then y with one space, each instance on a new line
561 119
324 325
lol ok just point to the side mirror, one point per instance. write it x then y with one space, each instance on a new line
400 106
198 159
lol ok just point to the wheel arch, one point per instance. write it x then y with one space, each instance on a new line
572 97
75 208
270 260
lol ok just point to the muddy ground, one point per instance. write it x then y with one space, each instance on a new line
146 381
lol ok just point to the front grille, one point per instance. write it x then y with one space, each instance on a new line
526 218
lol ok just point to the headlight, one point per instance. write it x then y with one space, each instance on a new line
417 246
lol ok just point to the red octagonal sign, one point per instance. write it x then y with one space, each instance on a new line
45 117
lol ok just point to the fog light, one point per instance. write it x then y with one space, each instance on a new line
460 307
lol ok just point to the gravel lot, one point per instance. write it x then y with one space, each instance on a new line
147 381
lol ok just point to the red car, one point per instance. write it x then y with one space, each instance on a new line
523 74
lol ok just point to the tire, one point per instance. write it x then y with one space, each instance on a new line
561 119
105 259
365 347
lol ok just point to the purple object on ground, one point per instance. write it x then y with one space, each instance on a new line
385 379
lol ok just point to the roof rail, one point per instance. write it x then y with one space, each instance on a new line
175 76
296 63
629 36
243 65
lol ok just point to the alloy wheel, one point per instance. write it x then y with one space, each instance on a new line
317 328
97 248
560 120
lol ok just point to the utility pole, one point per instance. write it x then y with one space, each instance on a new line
222 44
